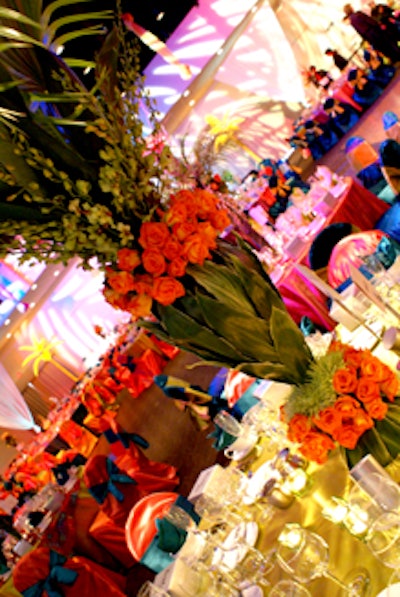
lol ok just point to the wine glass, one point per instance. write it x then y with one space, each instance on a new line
383 539
289 588
228 423
180 518
305 555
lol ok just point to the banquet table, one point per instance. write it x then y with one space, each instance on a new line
347 553
357 206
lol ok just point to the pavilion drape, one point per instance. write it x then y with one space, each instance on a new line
14 412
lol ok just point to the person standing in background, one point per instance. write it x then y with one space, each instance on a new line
340 62
373 32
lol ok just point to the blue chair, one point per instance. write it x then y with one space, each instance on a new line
390 222
323 244
365 162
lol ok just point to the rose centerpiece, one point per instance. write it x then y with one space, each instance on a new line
79 177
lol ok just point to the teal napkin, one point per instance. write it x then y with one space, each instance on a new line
169 537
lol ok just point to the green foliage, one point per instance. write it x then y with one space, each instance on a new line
218 321
316 393
75 171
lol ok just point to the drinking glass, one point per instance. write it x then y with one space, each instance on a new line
228 423
289 588
383 539
247 566
180 518
305 555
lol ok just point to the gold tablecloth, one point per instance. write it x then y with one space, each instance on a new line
346 552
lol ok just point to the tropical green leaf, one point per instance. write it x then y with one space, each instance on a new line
267 370
182 327
12 45
14 34
261 295
248 334
290 344
222 284
79 63
371 443
8 84
8 13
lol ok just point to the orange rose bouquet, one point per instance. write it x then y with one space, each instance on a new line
184 233
348 400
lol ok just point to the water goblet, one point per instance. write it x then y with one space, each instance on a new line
305 555
383 539
180 518
289 588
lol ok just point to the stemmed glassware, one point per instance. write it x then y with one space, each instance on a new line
305 555
383 539
289 588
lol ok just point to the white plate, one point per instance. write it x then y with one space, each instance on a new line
392 591
241 447
236 544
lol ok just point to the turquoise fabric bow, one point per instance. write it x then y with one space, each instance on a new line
387 251
115 475
125 438
57 575
168 540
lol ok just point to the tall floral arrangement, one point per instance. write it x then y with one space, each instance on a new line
79 177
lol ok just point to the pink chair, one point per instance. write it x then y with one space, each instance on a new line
349 251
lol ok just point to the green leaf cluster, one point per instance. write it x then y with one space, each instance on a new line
232 316
74 165
316 392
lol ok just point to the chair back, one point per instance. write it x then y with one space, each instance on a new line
323 244
360 154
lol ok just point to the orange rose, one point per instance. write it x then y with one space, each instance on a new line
207 203
361 420
345 380
390 386
166 290
144 284
220 220
195 249
209 233
177 268
172 249
140 305
177 214
153 262
347 405
347 436
121 282
112 297
153 235
367 389
184 229
189 199
316 447
352 356
328 419
373 368
128 259
299 426
377 409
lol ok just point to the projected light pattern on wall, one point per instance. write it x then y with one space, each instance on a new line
246 58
